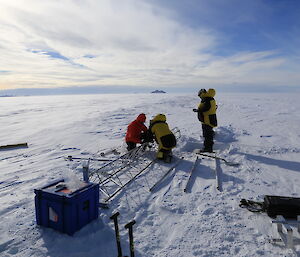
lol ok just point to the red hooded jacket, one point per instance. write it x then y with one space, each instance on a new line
135 129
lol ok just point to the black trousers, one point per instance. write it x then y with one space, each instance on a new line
208 134
130 145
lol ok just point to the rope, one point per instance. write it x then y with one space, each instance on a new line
252 205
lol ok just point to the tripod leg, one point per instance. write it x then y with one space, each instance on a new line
130 231
114 217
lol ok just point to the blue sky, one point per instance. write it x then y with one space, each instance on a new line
160 44
246 25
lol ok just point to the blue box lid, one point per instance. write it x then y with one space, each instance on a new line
60 187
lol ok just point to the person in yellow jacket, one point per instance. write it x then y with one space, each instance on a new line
163 136
208 117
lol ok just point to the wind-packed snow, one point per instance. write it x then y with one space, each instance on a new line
259 131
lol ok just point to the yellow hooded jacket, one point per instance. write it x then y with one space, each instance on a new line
207 108
163 135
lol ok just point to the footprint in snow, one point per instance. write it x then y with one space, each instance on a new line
208 211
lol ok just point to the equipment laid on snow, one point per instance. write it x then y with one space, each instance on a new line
281 208
190 174
9 182
120 171
66 210
176 132
128 226
21 145
71 158
166 173
217 170
287 238
115 175
198 151
129 181
109 151
130 232
252 206
85 170
218 173
288 207
114 217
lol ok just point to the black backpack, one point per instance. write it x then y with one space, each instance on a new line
288 207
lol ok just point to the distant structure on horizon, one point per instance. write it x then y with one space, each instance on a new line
6 96
158 92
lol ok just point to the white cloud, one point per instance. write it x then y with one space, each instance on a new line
132 43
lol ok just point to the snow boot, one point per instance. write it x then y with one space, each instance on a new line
206 150
165 155
168 158
160 155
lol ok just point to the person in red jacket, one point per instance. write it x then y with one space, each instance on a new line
135 132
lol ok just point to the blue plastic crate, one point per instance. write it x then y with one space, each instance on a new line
64 210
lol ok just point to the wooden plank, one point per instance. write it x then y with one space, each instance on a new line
191 174
288 238
218 175
14 146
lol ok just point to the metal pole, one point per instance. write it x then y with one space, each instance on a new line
131 244
85 170
114 217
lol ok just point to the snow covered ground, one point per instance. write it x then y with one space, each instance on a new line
260 131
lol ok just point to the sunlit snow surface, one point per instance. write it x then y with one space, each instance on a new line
260 131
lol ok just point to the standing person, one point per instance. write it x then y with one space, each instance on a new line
207 116
136 131
163 136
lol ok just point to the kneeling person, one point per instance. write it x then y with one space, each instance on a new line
163 136
135 132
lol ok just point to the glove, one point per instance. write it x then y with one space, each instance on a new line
195 110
